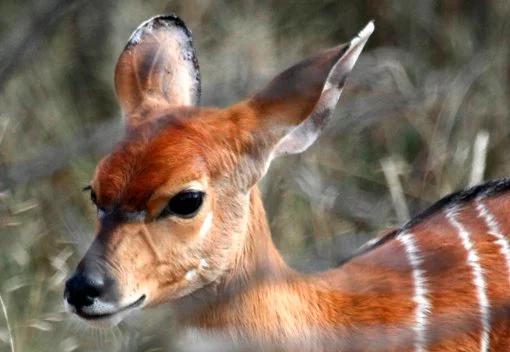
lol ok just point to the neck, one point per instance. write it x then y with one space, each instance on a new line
261 299
258 261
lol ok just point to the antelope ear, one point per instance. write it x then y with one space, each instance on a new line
296 105
158 66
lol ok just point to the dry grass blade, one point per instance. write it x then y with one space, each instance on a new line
391 173
479 157
4 309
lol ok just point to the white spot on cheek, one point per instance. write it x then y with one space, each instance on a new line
204 230
203 264
206 226
190 275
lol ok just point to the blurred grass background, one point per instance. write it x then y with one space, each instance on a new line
425 112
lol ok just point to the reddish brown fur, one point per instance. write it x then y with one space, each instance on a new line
371 292
246 292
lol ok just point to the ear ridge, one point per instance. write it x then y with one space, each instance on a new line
304 134
158 65
345 64
292 94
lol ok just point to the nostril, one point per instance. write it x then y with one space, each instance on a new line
81 290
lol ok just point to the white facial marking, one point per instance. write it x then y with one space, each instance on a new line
203 264
190 275
113 313
206 226
478 277
420 290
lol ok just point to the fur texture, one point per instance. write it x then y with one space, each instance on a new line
439 283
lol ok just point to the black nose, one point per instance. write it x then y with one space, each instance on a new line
84 287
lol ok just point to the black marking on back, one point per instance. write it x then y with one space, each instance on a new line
488 189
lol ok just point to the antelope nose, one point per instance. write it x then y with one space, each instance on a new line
83 289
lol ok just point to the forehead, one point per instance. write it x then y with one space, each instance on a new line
169 148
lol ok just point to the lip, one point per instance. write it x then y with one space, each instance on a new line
133 305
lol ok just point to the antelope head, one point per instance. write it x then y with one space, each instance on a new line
173 197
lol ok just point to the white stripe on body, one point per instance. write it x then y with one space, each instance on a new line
495 231
420 290
478 277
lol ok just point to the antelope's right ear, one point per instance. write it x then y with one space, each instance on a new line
157 67
289 114
298 103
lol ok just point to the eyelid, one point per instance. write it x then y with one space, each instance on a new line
186 190
163 213
194 186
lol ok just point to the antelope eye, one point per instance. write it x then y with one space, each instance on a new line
185 204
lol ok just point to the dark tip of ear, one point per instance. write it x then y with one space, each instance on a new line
169 22
155 23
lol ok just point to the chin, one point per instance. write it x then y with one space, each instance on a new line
106 314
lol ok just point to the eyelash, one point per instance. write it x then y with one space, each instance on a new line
187 210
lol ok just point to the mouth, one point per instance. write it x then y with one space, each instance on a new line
100 316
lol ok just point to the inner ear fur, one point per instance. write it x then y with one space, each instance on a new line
158 67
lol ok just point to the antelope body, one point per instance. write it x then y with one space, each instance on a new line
180 219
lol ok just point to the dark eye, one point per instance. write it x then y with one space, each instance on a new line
184 204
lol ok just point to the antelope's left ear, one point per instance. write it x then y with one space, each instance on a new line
158 67
296 105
